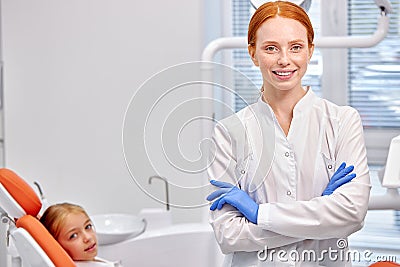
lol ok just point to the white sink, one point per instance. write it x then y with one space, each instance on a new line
114 228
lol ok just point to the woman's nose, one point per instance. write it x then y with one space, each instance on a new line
283 59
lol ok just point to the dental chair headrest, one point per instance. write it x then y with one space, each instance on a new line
21 202
19 198
46 241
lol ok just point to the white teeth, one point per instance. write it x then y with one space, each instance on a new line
283 73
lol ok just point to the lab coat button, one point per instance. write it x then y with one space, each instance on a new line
242 171
287 154
288 193
330 166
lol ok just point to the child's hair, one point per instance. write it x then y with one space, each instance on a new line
54 216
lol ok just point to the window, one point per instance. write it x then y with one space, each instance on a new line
373 77
374 73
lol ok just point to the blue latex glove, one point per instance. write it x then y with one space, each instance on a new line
232 195
340 177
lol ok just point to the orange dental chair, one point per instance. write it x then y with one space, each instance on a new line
385 264
20 206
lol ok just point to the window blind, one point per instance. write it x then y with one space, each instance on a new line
374 73
242 11
374 90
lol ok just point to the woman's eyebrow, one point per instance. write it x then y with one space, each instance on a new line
297 41
290 42
269 42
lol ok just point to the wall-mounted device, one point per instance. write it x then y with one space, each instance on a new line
391 176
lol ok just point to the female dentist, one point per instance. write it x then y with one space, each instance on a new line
284 194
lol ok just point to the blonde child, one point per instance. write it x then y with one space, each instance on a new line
70 225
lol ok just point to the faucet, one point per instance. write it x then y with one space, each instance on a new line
166 187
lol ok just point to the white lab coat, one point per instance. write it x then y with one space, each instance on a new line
286 175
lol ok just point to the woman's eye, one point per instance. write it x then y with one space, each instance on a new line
296 48
89 226
271 49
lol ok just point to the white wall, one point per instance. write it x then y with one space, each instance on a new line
70 69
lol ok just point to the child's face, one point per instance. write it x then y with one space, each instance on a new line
78 237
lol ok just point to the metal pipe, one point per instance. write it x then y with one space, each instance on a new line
357 41
166 187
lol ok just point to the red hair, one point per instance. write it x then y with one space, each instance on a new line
282 9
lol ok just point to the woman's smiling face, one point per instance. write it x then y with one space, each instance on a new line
282 52
78 237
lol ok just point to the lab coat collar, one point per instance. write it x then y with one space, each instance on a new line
305 104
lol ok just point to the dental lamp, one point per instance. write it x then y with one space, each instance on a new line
323 42
305 4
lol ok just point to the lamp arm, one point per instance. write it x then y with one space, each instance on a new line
323 42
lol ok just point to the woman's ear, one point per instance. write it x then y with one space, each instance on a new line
252 53
310 51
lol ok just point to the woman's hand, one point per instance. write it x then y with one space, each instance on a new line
232 195
342 176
